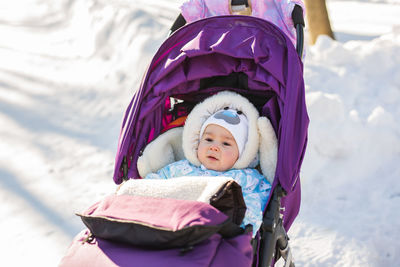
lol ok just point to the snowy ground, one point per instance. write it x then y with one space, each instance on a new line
68 70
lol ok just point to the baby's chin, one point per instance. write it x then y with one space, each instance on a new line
215 167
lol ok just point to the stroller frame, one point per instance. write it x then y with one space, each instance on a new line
272 242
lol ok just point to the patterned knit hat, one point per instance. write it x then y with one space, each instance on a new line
232 120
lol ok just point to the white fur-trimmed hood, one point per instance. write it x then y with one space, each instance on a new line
163 150
169 146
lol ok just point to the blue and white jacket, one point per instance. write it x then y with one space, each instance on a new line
255 187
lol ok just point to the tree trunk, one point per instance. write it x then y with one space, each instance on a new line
318 20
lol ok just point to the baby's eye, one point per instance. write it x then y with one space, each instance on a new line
208 139
226 144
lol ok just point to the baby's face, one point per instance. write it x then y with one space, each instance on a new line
217 148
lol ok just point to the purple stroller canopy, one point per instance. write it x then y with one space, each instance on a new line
220 46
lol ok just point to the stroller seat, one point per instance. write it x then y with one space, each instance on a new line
243 54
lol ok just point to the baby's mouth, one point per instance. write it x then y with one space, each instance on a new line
212 157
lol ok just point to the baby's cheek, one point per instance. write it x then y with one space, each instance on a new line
198 152
200 155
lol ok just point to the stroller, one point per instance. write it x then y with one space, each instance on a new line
243 54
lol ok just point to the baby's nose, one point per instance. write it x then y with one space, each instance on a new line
214 148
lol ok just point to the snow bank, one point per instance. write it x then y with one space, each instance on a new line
350 174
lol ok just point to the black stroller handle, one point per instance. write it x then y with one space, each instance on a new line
298 21
179 22
297 17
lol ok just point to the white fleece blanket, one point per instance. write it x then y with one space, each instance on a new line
196 188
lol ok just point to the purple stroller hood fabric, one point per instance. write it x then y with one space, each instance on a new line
220 46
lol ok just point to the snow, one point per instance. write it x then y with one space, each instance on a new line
68 71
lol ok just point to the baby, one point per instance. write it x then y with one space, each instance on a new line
223 142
